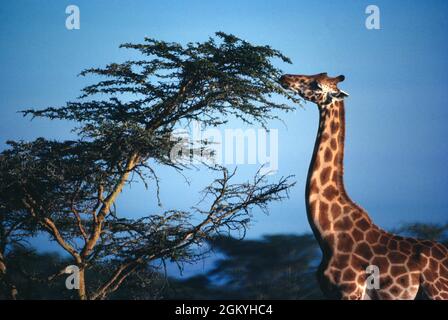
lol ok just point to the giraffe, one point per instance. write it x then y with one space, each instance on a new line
350 242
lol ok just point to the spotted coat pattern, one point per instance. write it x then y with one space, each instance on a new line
349 240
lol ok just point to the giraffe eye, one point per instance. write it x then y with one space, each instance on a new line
314 85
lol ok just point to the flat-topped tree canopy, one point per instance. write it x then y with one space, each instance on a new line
200 81
125 123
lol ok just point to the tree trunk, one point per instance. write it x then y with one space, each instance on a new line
4 278
82 293
2 265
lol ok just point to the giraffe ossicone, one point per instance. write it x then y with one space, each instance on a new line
350 241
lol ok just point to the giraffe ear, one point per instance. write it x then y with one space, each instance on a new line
340 78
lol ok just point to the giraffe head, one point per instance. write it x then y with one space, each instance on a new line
319 88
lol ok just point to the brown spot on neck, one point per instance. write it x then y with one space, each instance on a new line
329 148
329 207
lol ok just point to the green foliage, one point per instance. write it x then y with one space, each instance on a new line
429 231
200 81
275 267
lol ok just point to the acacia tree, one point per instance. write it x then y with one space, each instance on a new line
13 233
125 126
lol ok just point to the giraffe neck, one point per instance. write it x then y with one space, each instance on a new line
325 175
328 206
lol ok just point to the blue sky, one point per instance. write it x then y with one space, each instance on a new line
396 146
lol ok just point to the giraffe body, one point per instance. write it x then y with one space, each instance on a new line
349 240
